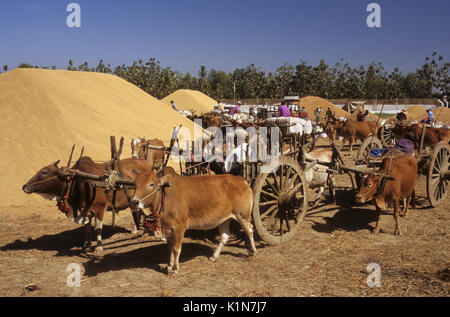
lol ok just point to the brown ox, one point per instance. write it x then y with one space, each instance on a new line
352 130
211 120
195 202
432 135
140 150
82 197
382 191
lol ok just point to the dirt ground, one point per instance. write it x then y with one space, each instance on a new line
328 256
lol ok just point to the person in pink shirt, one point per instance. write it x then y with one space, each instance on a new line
283 110
236 109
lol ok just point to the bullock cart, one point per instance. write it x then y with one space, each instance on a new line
280 190
433 161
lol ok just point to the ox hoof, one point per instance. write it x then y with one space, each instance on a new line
397 233
171 272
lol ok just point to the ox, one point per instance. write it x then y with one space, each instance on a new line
383 191
317 177
195 202
352 130
431 138
82 197
140 150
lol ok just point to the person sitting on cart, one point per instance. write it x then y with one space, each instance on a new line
236 109
303 113
219 106
401 116
283 110
430 119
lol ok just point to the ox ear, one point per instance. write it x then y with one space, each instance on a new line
56 163
165 181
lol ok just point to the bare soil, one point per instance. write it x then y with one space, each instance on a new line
328 256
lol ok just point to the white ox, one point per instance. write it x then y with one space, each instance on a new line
317 177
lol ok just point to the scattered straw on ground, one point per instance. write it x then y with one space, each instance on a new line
43 113
186 99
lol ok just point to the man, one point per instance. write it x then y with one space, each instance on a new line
236 109
283 110
317 114
329 114
401 116
220 106
174 106
303 113
430 119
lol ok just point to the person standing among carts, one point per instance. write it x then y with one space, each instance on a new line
283 110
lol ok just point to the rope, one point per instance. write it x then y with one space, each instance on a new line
43 181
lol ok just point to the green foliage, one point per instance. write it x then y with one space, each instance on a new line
340 81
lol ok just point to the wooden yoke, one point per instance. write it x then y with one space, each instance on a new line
115 158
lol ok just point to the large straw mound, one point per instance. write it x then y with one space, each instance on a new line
416 113
312 102
43 113
186 99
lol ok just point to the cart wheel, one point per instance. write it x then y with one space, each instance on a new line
437 179
280 201
387 138
370 143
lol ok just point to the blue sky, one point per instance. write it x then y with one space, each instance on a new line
227 34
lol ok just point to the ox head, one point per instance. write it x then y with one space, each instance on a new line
137 148
46 182
147 190
371 185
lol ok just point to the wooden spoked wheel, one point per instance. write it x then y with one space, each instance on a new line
438 174
370 143
280 200
387 138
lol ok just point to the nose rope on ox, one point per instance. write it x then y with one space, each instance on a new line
43 181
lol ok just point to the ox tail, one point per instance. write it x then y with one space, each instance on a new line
413 199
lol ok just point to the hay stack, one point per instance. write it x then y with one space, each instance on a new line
189 100
43 113
311 103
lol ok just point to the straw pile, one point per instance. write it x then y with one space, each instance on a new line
312 102
189 100
43 113
418 113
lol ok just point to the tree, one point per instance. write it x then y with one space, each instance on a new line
26 65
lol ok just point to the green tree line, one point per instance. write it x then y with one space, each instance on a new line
251 82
